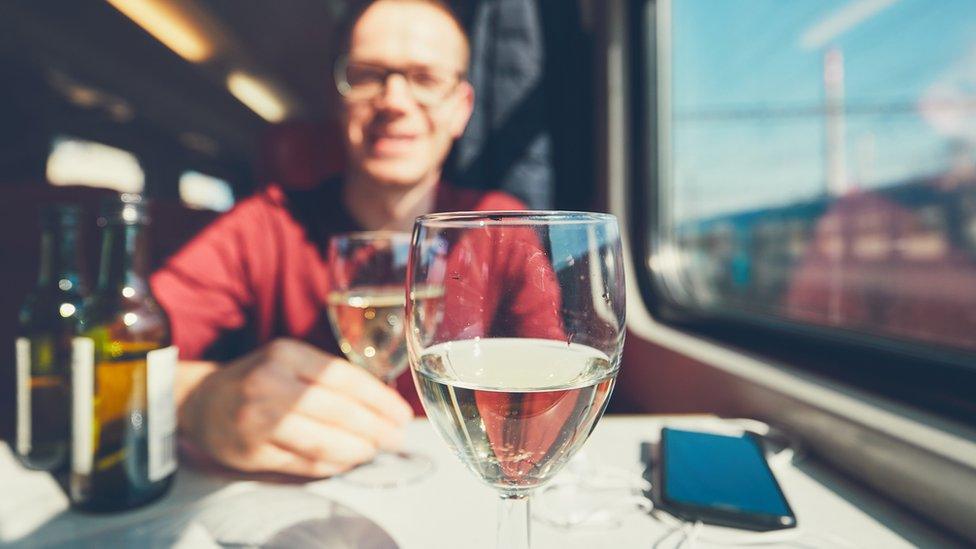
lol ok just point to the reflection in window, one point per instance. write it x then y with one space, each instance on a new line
79 162
823 163
202 191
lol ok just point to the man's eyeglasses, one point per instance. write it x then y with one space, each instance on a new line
428 86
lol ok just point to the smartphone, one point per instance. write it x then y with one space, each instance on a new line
719 479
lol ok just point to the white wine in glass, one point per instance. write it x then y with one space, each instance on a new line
368 322
514 426
516 359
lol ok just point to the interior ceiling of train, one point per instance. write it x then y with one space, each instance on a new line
101 61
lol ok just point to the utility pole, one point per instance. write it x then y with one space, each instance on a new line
835 161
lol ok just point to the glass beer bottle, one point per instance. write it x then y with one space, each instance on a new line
123 408
49 318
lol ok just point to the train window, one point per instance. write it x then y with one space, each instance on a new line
79 162
816 168
203 191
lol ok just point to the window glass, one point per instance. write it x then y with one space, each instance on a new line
202 191
79 162
823 165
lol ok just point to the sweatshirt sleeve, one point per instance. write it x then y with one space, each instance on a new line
205 288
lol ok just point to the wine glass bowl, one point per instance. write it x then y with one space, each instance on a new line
366 299
515 358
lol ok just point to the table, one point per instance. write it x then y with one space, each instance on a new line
447 509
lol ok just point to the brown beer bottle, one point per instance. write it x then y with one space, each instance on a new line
49 318
123 366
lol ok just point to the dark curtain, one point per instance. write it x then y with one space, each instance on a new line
531 130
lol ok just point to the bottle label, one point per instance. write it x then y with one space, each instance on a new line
23 396
82 404
161 367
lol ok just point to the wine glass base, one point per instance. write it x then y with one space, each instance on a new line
589 496
571 506
390 470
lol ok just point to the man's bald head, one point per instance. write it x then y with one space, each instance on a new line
357 8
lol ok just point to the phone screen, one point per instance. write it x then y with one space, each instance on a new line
721 472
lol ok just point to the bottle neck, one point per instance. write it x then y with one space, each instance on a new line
60 259
125 260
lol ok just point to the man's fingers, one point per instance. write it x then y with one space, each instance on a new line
271 458
332 408
354 382
320 442
304 412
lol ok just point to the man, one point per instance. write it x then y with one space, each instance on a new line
292 405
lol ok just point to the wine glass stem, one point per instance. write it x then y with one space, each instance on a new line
513 522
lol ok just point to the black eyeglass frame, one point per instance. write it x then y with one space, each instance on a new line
344 88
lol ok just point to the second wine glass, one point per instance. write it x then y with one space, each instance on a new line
366 309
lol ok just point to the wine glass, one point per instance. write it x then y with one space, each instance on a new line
365 307
516 356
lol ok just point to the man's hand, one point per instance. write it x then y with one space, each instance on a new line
290 408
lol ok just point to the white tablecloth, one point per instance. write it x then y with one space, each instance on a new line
449 508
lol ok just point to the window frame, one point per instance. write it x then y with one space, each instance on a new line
922 461
179 190
854 358
55 139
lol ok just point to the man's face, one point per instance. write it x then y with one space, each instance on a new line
391 137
